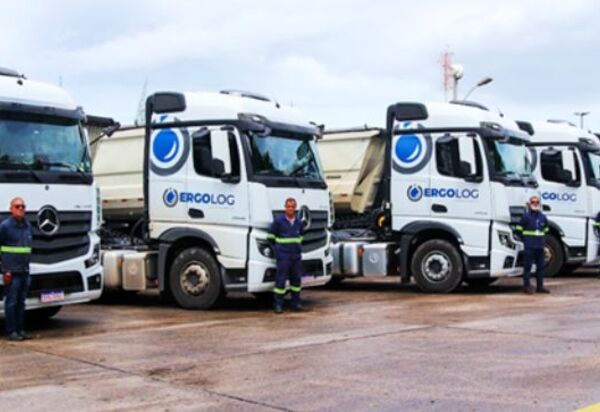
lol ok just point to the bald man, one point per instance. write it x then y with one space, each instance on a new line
533 228
15 252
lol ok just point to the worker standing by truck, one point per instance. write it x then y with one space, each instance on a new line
15 249
286 234
533 227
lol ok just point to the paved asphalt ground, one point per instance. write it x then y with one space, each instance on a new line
368 345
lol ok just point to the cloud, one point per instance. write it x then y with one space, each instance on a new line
341 61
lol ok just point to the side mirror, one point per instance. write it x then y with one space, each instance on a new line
167 102
218 167
466 153
568 166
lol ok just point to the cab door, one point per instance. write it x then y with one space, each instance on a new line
564 194
215 200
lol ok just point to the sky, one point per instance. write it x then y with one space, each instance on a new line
341 62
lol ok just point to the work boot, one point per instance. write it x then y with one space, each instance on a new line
528 290
15 336
25 335
278 309
542 290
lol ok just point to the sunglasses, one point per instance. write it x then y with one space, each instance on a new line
19 206
534 202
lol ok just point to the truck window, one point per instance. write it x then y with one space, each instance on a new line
553 169
448 158
202 151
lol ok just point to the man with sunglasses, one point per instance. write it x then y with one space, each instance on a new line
15 252
533 228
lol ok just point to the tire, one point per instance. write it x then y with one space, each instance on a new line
264 298
554 257
335 281
480 283
195 279
41 315
437 266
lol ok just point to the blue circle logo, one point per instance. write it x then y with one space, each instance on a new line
414 192
170 150
408 148
412 151
165 145
170 197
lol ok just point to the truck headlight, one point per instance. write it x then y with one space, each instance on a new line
95 258
506 239
265 249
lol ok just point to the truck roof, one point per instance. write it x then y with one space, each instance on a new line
559 131
17 89
440 115
227 105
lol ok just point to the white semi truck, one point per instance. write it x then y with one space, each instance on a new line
188 199
44 159
435 196
566 162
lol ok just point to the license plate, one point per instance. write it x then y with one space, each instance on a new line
52 296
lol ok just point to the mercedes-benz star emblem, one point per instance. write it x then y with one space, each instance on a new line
304 216
47 220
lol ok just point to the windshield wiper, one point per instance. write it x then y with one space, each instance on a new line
22 166
72 168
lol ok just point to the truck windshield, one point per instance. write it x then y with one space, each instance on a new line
48 146
287 157
510 161
594 163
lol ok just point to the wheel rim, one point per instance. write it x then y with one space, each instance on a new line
436 266
194 278
548 255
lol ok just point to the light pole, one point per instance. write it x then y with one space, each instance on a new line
457 74
581 115
482 82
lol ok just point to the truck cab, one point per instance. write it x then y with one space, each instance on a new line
566 162
44 158
443 186
210 173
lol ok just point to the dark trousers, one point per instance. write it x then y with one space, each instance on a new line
288 269
534 256
14 302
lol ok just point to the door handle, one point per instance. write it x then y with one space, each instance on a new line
195 213
546 208
439 208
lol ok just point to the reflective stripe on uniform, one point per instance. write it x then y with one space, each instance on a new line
519 228
15 249
270 236
533 233
288 240
296 289
279 291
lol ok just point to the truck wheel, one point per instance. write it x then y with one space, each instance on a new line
437 267
43 314
554 256
480 283
195 279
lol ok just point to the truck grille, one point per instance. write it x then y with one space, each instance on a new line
68 282
71 240
315 236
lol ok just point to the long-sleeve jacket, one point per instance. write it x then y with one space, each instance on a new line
15 245
287 237
533 227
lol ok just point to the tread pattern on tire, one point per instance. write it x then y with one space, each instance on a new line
448 285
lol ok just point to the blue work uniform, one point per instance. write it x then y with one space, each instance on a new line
15 254
533 228
287 238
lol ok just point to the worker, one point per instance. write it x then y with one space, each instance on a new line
286 236
533 228
15 252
